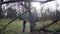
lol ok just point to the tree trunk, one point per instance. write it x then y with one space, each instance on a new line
1 9
30 17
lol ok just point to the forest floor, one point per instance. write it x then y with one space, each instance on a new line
16 26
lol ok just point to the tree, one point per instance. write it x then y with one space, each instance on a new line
34 14
11 13
57 14
1 13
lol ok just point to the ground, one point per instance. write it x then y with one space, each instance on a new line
16 26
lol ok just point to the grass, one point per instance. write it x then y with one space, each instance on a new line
17 26
54 26
51 28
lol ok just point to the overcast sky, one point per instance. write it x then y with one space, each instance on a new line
51 5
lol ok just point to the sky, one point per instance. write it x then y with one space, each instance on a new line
6 0
51 5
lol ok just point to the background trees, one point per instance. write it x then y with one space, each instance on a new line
1 12
11 13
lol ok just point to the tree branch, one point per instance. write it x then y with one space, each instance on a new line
22 1
43 28
13 20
